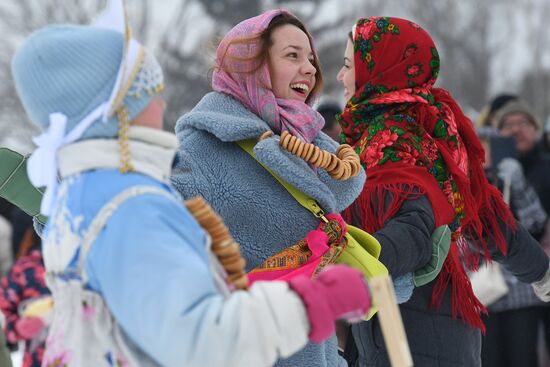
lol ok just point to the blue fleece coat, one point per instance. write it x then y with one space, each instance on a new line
260 214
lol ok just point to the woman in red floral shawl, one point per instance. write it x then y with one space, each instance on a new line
423 163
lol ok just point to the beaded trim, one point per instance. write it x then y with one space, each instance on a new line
124 90
149 79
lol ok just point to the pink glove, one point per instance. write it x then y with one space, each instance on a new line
339 292
29 327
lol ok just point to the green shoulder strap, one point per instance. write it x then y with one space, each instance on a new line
303 199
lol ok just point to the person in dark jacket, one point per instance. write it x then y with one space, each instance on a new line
519 311
517 119
424 170
487 116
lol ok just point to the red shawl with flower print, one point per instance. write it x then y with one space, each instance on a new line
413 139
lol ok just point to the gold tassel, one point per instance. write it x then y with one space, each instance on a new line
123 140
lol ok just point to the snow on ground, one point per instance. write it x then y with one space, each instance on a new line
17 358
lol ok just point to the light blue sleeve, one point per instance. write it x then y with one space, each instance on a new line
404 287
150 266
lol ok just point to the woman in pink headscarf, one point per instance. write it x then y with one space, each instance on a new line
265 79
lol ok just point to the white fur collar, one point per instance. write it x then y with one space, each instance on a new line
152 152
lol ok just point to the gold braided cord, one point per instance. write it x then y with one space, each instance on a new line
340 166
124 140
121 93
223 245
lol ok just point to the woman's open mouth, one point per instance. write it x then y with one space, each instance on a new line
301 89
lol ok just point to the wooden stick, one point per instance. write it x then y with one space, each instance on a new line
393 331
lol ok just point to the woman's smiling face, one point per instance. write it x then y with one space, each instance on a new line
346 75
291 63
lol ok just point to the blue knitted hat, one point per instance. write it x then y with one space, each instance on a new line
72 69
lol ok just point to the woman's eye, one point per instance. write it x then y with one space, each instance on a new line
346 66
294 55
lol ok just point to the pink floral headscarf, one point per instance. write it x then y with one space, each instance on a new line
254 90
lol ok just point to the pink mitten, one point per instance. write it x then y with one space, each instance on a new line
339 292
29 327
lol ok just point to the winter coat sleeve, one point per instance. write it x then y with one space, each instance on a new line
525 257
151 267
406 237
183 176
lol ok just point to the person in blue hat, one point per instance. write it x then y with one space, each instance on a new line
133 279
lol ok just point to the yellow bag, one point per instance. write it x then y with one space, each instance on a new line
362 253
